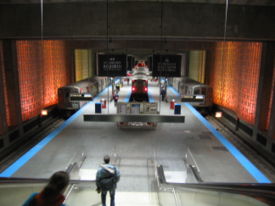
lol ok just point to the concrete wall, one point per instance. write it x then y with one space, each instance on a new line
136 20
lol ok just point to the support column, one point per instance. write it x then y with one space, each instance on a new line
271 130
3 120
12 82
264 94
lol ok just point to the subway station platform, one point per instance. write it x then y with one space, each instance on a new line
136 152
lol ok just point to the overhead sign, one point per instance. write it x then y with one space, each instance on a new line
167 65
111 65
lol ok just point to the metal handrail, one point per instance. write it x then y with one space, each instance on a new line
264 192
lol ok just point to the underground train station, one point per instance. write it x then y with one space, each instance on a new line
174 98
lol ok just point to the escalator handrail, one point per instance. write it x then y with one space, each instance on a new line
19 180
263 191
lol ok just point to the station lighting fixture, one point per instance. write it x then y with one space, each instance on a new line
44 112
218 114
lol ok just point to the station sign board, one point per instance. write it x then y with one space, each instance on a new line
167 65
111 65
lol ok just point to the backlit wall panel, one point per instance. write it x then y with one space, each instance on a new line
42 70
197 65
30 77
54 70
234 77
249 80
83 64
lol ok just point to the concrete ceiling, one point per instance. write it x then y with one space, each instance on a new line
239 2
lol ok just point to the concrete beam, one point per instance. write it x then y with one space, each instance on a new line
136 19
133 118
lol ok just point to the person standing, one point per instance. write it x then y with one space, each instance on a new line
107 177
52 193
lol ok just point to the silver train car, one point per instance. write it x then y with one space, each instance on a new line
197 94
68 101
140 83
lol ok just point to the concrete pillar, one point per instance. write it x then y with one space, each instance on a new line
264 93
3 121
12 82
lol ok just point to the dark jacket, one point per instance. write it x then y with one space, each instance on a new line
107 177
36 199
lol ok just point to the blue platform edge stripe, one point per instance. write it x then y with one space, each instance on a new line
175 92
33 151
255 172
127 97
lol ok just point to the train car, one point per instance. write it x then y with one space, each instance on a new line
70 96
139 90
140 83
198 94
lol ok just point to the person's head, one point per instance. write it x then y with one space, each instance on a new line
57 184
60 179
106 159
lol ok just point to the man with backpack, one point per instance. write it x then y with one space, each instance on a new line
107 177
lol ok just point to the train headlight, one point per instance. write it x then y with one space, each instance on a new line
218 114
44 112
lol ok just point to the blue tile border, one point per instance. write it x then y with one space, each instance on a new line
174 91
33 151
250 168
255 172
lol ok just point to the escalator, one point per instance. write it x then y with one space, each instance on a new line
14 191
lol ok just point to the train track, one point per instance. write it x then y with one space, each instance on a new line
254 156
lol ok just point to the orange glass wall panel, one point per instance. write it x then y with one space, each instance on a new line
30 77
55 70
42 70
234 77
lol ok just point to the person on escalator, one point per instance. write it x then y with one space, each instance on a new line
52 193
107 177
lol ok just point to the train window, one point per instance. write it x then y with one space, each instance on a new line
197 91
203 90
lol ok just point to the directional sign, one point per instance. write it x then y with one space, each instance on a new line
167 65
111 65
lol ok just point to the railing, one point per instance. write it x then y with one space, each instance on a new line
218 194
192 164
14 191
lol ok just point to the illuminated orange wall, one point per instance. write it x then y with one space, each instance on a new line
234 77
42 69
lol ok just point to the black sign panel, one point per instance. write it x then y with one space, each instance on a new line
111 65
130 62
167 65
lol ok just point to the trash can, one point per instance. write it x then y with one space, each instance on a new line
98 107
172 104
177 109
